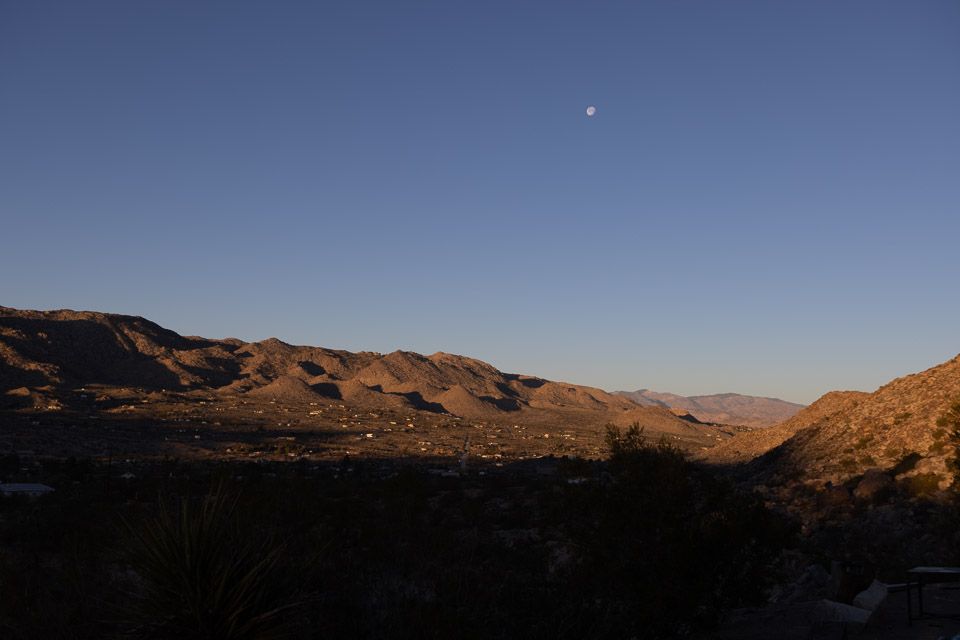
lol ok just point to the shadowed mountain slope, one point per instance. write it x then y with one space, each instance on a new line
846 432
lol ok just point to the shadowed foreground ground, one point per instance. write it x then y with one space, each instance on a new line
889 622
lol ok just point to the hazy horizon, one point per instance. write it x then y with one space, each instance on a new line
765 202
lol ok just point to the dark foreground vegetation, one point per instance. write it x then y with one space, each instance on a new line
644 545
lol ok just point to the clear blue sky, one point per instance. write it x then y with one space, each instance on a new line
767 200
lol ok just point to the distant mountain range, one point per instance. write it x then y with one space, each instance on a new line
722 408
45 353
46 356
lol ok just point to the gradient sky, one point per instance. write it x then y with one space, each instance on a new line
767 200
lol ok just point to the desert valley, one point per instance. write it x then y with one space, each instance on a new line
86 383
402 472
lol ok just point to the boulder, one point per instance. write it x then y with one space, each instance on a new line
801 621
872 597
830 611
833 496
874 487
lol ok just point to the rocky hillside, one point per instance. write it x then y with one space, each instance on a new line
721 408
843 434
43 352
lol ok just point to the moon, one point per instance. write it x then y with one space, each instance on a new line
591 111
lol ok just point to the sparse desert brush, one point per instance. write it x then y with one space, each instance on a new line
923 485
900 418
289 447
951 417
949 421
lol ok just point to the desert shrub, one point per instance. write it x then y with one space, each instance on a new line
286 448
867 461
950 419
573 466
937 446
923 484
950 422
863 442
848 463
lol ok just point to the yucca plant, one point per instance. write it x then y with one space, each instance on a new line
199 577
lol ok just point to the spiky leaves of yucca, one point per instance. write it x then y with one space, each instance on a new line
200 578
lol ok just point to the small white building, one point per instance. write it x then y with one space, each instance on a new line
29 490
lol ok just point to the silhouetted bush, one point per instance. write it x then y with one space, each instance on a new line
923 484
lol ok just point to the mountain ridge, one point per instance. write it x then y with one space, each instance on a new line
845 433
43 351
721 408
